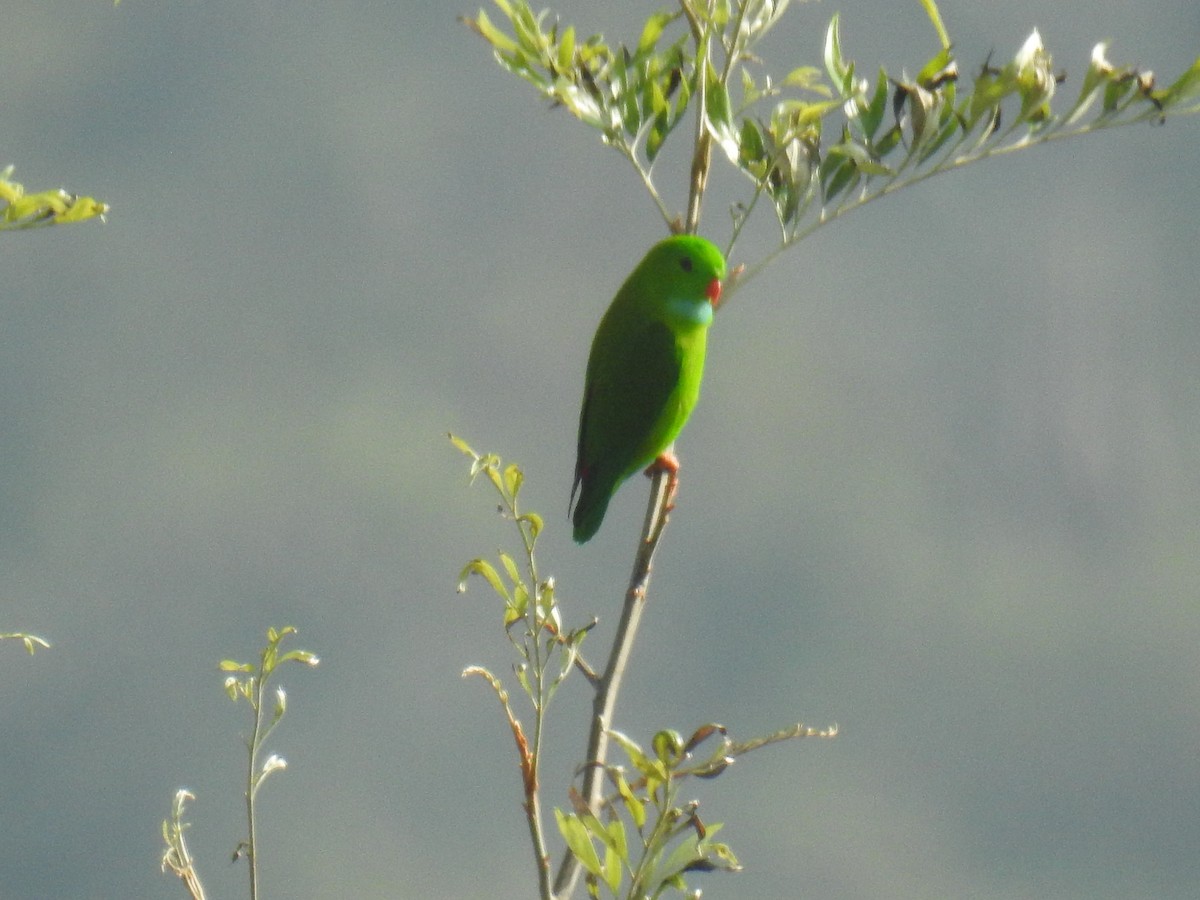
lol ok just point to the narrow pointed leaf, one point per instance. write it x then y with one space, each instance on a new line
513 478
483 26
566 49
487 572
653 30
580 844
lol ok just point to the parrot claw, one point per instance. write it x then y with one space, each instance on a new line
667 462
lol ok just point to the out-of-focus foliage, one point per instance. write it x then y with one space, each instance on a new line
19 210
819 140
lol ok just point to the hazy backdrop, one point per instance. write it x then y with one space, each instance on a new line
943 487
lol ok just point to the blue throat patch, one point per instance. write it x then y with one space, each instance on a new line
694 312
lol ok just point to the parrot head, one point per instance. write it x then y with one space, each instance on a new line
689 271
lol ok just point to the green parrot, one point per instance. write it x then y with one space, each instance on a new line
644 370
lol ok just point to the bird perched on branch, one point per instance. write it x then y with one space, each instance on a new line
643 372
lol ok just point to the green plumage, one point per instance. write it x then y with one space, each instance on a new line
644 370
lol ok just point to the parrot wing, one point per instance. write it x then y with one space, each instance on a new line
626 418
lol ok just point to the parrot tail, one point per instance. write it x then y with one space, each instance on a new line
590 508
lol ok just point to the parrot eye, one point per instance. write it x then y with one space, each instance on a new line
685 263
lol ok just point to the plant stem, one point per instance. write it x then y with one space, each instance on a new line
252 786
702 155
609 685
533 803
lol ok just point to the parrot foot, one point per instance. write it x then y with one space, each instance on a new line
667 462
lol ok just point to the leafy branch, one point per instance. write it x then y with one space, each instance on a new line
670 838
177 857
814 144
249 682
31 641
820 141
20 211
533 624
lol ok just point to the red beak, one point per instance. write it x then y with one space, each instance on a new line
713 292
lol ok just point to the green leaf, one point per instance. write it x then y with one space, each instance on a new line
547 611
656 100
938 69
1035 78
522 673
924 110
489 469
520 599
668 746
463 446
487 572
637 809
807 78
566 49
890 140
616 854
840 73
935 17
1185 89
483 26
513 478
613 870
580 844
637 756
803 114
872 116
720 14
750 90
682 96
528 30
751 150
301 656
990 88
725 857
682 856
653 30
80 209
534 521
841 176
861 158
510 567
718 114
948 127
616 840
631 111
1100 72
1115 92
655 138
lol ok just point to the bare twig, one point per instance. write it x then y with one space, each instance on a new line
609 684
177 857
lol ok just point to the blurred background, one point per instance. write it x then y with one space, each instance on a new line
943 487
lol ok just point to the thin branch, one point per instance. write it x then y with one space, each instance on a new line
177 857
252 746
702 154
647 181
609 685
949 163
